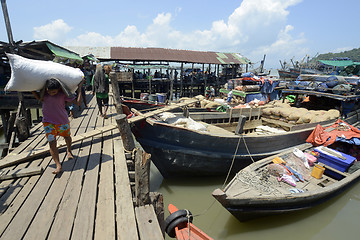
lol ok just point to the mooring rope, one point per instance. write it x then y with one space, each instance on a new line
232 163
228 174
234 156
188 221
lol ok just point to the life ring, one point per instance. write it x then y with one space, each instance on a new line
175 219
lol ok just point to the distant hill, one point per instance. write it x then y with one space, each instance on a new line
353 54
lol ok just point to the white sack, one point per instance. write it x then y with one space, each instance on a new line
190 124
31 75
166 115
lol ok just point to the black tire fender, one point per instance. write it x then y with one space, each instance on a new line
170 230
176 215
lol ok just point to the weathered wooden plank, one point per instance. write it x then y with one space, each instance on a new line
16 193
41 224
64 218
125 215
25 172
16 229
83 227
12 209
105 210
8 191
148 224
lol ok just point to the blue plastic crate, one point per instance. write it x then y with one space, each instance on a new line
335 162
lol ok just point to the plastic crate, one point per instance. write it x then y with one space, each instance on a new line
335 162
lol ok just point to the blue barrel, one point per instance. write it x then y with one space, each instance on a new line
161 97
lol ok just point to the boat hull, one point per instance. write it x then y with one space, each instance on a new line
178 151
182 152
245 211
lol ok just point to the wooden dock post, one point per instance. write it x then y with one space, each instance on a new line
116 92
157 200
125 132
142 177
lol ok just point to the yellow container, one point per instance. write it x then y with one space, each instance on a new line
317 171
278 160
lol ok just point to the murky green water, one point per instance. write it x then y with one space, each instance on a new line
336 219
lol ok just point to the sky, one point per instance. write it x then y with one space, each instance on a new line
280 29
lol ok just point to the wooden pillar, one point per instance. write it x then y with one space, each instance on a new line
116 92
142 177
205 80
132 84
171 77
10 126
210 72
5 116
217 67
192 81
7 22
181 79
157 201
125 132
150 78
38 114
28 117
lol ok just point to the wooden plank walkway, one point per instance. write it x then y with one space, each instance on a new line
91 199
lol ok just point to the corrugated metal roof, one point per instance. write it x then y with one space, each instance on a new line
174 55
161 54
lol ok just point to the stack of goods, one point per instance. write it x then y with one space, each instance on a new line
293 115
332 84
249 82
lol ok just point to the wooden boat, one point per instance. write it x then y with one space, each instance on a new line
285 74
179 151
254 193
141 104
179 225
146 105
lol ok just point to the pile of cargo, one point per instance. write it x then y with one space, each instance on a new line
294 115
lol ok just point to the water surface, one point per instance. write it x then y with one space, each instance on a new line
336 219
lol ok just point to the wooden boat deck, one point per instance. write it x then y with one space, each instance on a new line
92 197
252 182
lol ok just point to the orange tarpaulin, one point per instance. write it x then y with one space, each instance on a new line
327 136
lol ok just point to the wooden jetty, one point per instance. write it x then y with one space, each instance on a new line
97 195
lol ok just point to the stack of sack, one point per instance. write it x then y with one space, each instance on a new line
284 112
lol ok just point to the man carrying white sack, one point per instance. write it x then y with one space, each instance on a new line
55 117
